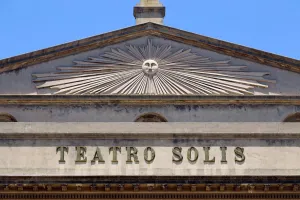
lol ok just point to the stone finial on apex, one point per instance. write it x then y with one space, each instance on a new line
149 11
150 3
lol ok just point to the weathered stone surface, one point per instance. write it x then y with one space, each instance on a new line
30 149
87 110
40 159
188 130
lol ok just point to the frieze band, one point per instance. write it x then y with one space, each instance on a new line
149 191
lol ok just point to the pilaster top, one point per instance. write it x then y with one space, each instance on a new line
149 11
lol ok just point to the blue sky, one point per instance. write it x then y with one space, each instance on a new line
268 25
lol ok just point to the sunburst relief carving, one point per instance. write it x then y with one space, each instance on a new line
152 70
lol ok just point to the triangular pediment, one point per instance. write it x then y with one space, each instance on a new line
156 67
150 59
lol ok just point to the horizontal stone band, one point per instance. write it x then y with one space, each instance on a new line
147 100
41 130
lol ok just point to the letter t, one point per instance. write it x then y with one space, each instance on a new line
62 151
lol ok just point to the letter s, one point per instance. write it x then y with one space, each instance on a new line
239 155
177 157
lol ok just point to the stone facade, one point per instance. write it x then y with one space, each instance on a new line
35 153
20 82
78 108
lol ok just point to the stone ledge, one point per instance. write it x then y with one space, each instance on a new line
146 100
43 130
162 180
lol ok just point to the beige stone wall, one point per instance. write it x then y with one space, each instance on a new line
269 148
43 161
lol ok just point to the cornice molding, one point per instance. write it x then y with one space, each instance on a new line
149 29
83 45
248 195
48 100
230 49
148 131
160 180
149 188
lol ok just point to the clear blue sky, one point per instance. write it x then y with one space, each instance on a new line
269 25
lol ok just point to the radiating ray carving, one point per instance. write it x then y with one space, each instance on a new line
152 70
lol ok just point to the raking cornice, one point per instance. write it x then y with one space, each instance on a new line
149 29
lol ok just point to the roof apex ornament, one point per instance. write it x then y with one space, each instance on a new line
149 11
150 3
152 70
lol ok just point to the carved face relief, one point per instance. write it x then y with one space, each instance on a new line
150 67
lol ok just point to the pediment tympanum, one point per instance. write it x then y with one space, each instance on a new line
152 68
